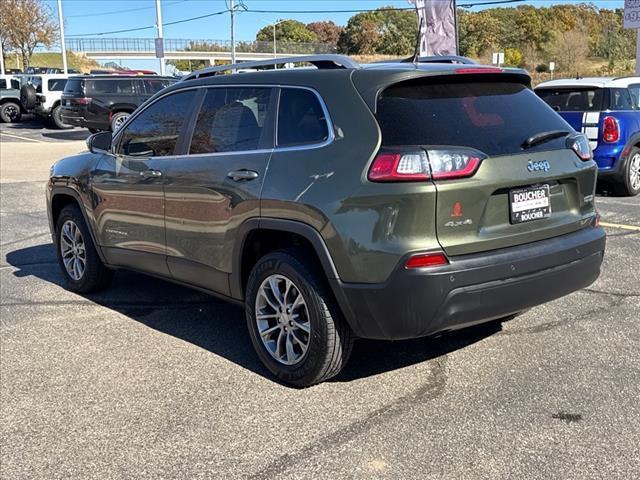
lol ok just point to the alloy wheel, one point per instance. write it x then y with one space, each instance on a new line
120 121
634 172
73 250
282 319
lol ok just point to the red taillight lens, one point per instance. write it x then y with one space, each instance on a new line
610 130
425 260
393 167
438 164
81 101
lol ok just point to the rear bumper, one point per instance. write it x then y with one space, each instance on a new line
472 288
79 119
610 159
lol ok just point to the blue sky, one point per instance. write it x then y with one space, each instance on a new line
83 17
93 16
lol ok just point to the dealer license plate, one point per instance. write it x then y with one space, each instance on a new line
529 203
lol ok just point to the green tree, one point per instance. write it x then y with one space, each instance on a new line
287 31
383 31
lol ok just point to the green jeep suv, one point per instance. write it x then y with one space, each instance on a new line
381 201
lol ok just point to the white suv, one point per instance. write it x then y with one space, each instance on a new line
41 94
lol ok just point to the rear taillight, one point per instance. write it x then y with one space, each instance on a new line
579 143
610 130
425 260
81 101
419 165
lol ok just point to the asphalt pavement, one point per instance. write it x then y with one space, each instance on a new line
152 380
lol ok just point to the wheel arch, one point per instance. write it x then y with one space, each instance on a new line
61 197
258 236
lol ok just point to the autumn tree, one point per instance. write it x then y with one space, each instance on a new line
287 31
327 32
26 24
386 31
571 49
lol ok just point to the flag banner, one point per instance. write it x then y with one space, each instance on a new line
438 31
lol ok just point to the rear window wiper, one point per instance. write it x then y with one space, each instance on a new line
543 137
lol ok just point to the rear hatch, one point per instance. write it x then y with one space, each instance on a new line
579 106
73 96
509 192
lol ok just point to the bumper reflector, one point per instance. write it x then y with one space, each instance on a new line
423 260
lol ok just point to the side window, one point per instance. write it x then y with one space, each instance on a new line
635 95
301 120
621 99
15 84
3 84
57 84
155 132
231 120
152 86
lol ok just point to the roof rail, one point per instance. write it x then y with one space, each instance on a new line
328 61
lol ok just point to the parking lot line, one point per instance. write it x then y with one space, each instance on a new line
22 138
620 226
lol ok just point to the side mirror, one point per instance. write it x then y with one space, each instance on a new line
100 142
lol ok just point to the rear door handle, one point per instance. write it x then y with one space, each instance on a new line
239 175
151 173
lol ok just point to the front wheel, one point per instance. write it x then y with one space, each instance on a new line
81 266
630 185
10 112
295 325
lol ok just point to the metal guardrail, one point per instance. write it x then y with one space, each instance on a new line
95 45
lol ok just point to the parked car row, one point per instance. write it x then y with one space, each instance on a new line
97 102
384 201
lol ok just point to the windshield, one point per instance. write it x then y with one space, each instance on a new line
491 116
573 99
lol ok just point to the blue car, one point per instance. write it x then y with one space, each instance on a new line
607 110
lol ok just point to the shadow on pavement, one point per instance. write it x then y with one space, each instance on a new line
68 134
219 327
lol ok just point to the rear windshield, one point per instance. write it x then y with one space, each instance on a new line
573 99
113 86
74 85
493 117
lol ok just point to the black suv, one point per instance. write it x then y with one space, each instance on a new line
382 201
104 102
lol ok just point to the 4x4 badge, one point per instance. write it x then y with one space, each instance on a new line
537 166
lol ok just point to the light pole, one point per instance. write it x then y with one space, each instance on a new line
159 48
275 53
62 45
233 35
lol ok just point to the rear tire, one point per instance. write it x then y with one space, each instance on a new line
630 182
311 326
56 118
10 112
118 119
81 266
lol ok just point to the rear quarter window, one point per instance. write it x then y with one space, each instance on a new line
620 99
3 84
301 119
495 117
109 86
56 84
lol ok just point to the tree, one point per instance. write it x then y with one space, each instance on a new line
383 31
327 32
287 31
570 49
27 24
